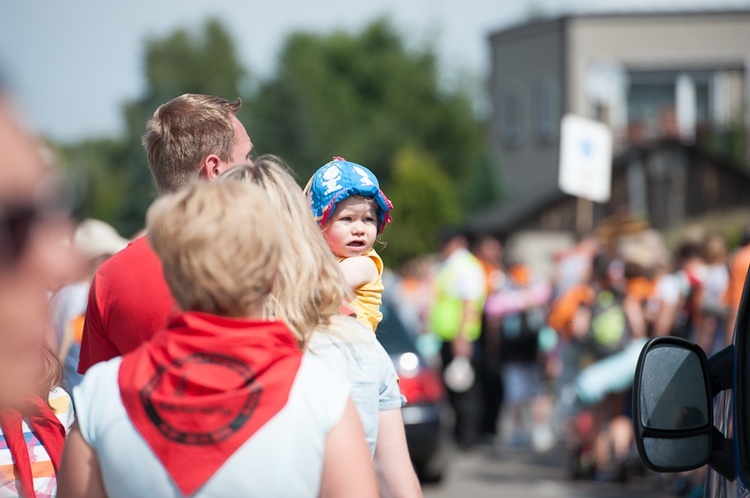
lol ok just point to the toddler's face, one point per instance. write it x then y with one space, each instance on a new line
352 228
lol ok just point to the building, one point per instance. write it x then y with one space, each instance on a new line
650 76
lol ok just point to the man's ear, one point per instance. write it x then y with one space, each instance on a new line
210 167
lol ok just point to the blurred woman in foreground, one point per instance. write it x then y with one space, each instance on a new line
223 402
34 414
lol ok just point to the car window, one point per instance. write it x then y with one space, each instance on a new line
392 334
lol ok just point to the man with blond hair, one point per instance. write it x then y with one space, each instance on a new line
191 136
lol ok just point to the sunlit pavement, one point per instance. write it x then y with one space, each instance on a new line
518 473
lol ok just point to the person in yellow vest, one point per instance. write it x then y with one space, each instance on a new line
349 206
460 292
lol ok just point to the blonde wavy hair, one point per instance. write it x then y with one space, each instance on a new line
309 289
52 375
219 246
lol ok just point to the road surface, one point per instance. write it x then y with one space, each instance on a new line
518 473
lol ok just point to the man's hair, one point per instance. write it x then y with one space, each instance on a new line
185 130
309 288
219 246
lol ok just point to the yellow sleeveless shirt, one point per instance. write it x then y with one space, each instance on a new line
369 297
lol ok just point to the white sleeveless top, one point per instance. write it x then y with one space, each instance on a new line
284 458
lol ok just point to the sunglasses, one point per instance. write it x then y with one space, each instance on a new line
18 220
16 223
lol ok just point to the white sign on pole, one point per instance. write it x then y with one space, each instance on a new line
585 158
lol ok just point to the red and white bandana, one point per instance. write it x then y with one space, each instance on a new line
199 390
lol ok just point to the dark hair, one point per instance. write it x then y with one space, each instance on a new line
478 239
448 234
600 268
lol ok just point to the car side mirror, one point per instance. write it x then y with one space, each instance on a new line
673 410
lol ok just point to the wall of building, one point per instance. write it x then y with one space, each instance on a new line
654 41
547 65
527 94
679 183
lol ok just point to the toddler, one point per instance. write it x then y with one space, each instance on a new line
348 204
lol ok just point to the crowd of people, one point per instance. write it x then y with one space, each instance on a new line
227 350
552 357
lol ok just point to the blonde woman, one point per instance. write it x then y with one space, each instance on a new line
307 295
222 403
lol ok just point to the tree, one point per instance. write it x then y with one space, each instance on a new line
362 96
120 186
96 171
482 188
425 201
182 62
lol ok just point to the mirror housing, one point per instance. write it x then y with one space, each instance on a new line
673 409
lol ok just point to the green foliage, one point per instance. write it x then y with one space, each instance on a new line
425 200
361 96
482 189
95 170
731 142
120 187
182 62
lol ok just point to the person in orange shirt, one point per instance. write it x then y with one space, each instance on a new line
489 251
737 272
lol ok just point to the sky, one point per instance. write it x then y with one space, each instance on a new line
71 64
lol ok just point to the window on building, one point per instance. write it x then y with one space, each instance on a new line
510 112
653 99
546 110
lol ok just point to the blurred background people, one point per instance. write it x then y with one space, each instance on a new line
460 292
738 265
489 251
95 241
713 308
519 358
573 266
690 272
595 327
413 292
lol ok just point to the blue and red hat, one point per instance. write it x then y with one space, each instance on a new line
339 180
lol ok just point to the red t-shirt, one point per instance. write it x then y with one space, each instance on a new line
128 302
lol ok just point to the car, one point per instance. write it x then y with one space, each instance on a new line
690 410
422 387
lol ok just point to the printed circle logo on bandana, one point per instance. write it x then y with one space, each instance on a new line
183 410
